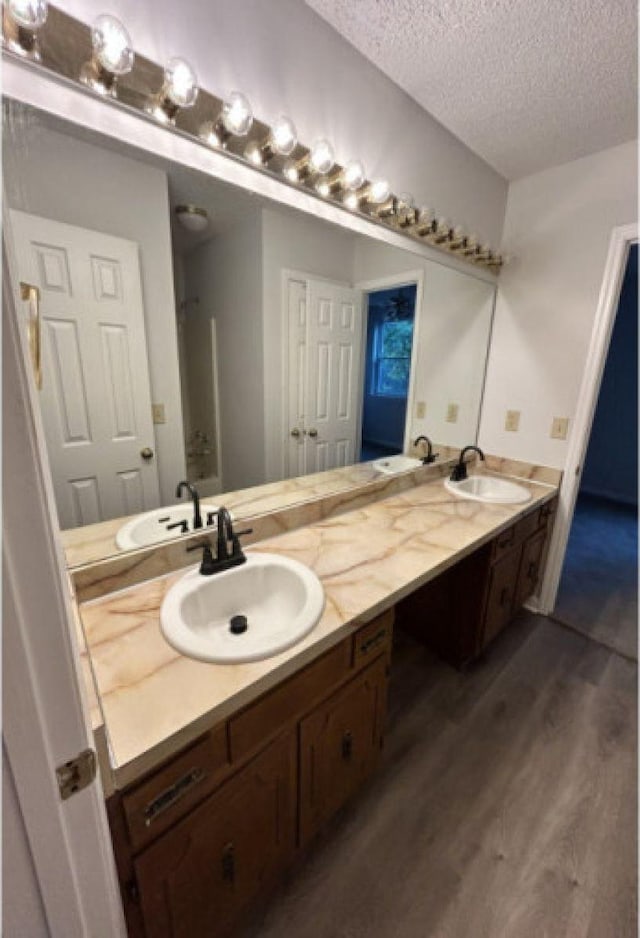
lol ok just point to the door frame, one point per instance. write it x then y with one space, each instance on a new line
46 716
405 279
622 237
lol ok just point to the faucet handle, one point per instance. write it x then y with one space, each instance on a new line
208 565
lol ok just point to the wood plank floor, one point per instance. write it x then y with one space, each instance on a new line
505 805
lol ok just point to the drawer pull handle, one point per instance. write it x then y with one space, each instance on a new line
228 863
373 642
167 798
347 746
532 572
503 595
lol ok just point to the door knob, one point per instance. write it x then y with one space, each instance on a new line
146 453
296 432
313 433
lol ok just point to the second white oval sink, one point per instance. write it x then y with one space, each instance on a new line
391 465
281 600
489 489
151 526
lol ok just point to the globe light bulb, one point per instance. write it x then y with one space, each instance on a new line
29 14
180 83
21 21
283 136
352 201
237 115
112 45
353 175
321 157
323 188
379 191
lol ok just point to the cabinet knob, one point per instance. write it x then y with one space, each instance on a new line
295 432
313 433
347 746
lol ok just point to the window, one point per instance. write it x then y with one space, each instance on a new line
392 358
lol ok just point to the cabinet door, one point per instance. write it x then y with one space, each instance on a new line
530 568
339 745
196 879
502 587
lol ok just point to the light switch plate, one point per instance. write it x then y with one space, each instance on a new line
452 413
421 410
157 413
512 420
559 428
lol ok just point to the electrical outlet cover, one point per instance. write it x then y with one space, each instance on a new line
452 413
512 420
559 428
157 413
421 410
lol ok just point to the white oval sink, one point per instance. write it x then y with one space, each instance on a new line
390 465
489 489
151 527
281 599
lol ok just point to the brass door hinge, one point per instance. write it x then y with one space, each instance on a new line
76 774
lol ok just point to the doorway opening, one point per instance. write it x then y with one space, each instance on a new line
387 372
598 593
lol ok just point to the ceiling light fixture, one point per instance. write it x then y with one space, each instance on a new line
112 56
179 91
192 217
21 21
234 120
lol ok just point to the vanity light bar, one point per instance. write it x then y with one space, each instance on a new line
102 58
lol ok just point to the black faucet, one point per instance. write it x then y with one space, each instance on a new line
460 469
431 456
224 558
197 517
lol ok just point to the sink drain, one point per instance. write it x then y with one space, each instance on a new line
238 625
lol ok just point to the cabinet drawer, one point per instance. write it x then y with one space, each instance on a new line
156 804
373 639
279 707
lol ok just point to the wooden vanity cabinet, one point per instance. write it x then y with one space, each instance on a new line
202 836
461 611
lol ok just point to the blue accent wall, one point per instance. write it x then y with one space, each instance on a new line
611 464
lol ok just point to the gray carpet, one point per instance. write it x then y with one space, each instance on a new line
504 807
598 592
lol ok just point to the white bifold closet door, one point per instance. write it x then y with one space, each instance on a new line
95 397
325 353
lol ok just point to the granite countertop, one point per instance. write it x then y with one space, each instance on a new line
154 701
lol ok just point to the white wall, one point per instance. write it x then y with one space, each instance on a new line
453 330
287 59
225 273
558 226
68 180
295 241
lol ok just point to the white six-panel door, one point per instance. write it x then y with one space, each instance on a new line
324 348
95 397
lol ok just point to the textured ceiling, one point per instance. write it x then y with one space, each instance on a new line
526 84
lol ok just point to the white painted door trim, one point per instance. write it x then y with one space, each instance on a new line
45 717
621 239
384 283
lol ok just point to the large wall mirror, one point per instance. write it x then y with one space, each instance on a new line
192 330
